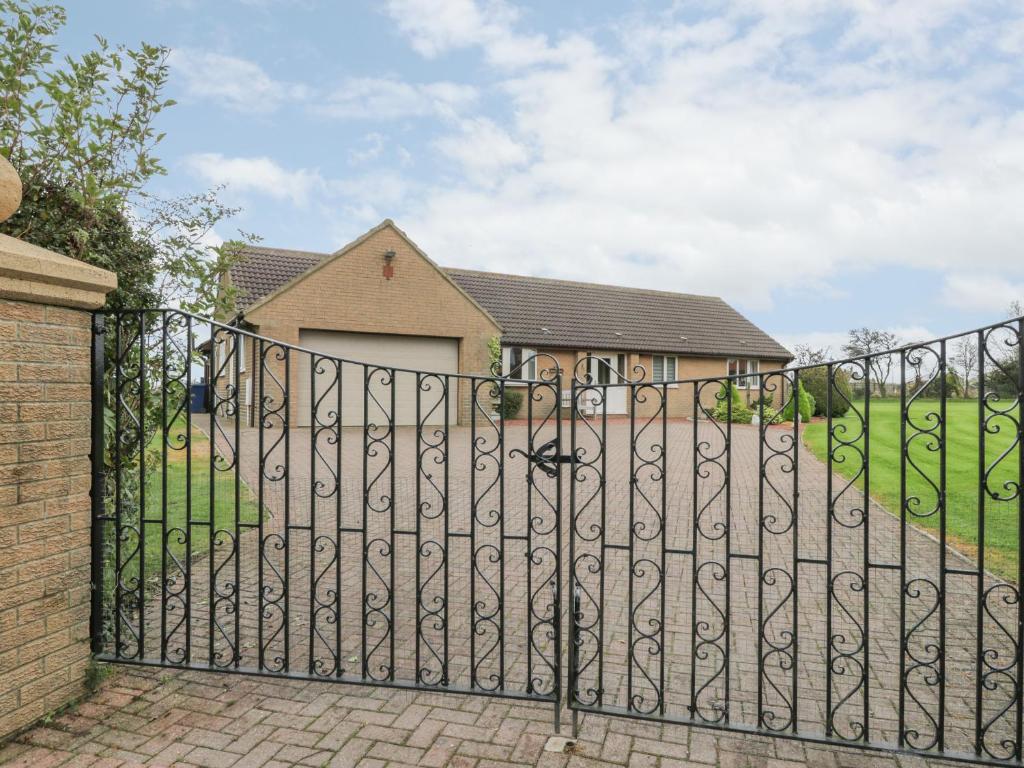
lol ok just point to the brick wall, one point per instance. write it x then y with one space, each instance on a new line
45 517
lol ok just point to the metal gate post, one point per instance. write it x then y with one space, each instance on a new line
97 490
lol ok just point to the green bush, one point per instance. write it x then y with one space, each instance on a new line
816 382
510 405
741 414
806 405
933 389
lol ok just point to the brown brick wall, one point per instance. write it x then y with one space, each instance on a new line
680 398
351 294
44 509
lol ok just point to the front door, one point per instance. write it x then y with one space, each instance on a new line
609 368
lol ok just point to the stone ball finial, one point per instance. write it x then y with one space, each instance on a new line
10 189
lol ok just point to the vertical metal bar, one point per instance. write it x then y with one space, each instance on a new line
557 614
165 429
189 341
903 546
313 431
632 528
501 537
695 532
941 720
419 524
211 529
726 561
794 672
556 610
236 596
604 541
573 684
1018 747
391 509
829 512
664 543
118 482
472 531
762 430
262 416
338 522
447 519
866 597
529 534
366 501
979 650
286 407
97 459
142 487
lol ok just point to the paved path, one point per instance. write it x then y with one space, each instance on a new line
205 719
185 719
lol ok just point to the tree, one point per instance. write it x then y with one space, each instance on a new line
963 362
866 341
808 355
82 134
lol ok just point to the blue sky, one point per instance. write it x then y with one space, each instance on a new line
820 165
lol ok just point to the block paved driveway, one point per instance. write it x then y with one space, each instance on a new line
175 717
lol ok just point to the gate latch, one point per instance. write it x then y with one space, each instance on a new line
547 458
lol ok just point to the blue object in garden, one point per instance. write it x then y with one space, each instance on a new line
197 399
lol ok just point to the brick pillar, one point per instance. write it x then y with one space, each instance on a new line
45 516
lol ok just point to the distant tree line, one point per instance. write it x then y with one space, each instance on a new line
1002 361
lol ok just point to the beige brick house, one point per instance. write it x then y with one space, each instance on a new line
381 299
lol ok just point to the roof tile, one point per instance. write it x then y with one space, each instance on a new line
541 312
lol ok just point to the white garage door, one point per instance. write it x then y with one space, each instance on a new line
420 353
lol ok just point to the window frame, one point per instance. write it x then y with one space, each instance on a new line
748 377
672 382
525 353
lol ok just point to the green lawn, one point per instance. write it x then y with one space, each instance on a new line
177 475
961 473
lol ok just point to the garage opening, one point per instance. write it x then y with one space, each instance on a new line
419 353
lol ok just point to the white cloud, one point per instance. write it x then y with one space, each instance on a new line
261 175
236 83
748 156
382 98
483 149
373 147
435 27
981 292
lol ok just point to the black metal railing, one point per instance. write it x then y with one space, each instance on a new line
851 578
325 518
733 561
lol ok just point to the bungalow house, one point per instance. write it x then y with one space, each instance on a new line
381 299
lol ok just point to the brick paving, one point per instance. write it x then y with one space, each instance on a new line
192 718
208 720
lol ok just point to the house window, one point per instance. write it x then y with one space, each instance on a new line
663 369
745 369
519 363
241 353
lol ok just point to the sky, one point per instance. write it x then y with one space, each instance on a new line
819 165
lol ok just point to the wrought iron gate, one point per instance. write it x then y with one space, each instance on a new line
722 578
337 520
323 519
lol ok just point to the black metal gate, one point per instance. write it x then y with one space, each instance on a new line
722 577
323 518
731 564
